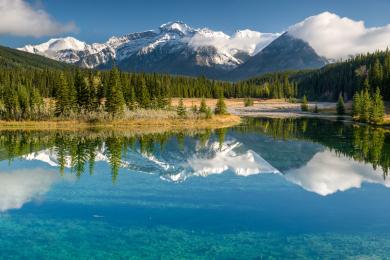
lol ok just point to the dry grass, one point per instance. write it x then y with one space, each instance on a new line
141 125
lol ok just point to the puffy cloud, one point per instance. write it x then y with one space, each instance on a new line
22 186
246 40
335 37
345 173
19 18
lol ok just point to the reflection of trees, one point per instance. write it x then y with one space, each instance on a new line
362 143
79 150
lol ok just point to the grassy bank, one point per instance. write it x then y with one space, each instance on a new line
134 125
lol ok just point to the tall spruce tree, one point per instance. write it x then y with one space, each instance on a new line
83 92
181 109
357 106
340 105
115 102
203 106
220 107
378 108
366 106
63 97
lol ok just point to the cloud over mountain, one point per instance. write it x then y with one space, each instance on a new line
18 17
244 40
337 37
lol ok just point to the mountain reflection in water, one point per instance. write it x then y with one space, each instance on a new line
323 157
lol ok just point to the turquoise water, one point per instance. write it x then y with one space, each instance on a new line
268 189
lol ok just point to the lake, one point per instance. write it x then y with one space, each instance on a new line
269 188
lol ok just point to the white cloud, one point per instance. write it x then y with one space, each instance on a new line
22 186
335 37
246 40
17 17
344 174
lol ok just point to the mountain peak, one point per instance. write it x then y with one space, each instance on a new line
176 26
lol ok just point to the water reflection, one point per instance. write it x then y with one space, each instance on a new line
21 186
332 156
328 173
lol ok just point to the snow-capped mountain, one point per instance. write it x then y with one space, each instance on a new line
173 48
177 48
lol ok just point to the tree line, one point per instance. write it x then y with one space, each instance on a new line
46 93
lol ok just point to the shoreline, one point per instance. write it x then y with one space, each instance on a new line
134 125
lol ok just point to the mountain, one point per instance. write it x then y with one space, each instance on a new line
174 48
11 58
284 53
177 48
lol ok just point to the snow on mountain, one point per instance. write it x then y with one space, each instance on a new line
177 48
211 48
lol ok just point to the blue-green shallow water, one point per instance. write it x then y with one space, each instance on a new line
269 189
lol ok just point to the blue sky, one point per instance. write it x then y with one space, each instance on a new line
97 20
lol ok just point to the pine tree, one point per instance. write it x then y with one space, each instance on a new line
24 102
220 107
209 113
11 104
378 108
83 92
181 110
357 106
36 103
203 106
304 105
115 102
132 100
366 106
63 103
340 105
144 100
377 73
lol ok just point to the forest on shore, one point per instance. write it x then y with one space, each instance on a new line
35 88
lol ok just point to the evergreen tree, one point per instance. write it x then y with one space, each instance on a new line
220 107
209 113
340 105
83 92
366 106
132 100
203 106
24 102
357 106
304 105
144 99
63 99
115 102
11 103
181 110
36 103
377 109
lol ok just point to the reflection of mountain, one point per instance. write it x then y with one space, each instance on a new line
22 186
176 165
328 173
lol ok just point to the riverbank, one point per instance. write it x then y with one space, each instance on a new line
141 125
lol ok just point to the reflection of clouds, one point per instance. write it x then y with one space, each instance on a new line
22 186
327 173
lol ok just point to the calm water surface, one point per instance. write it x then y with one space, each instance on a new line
270 188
